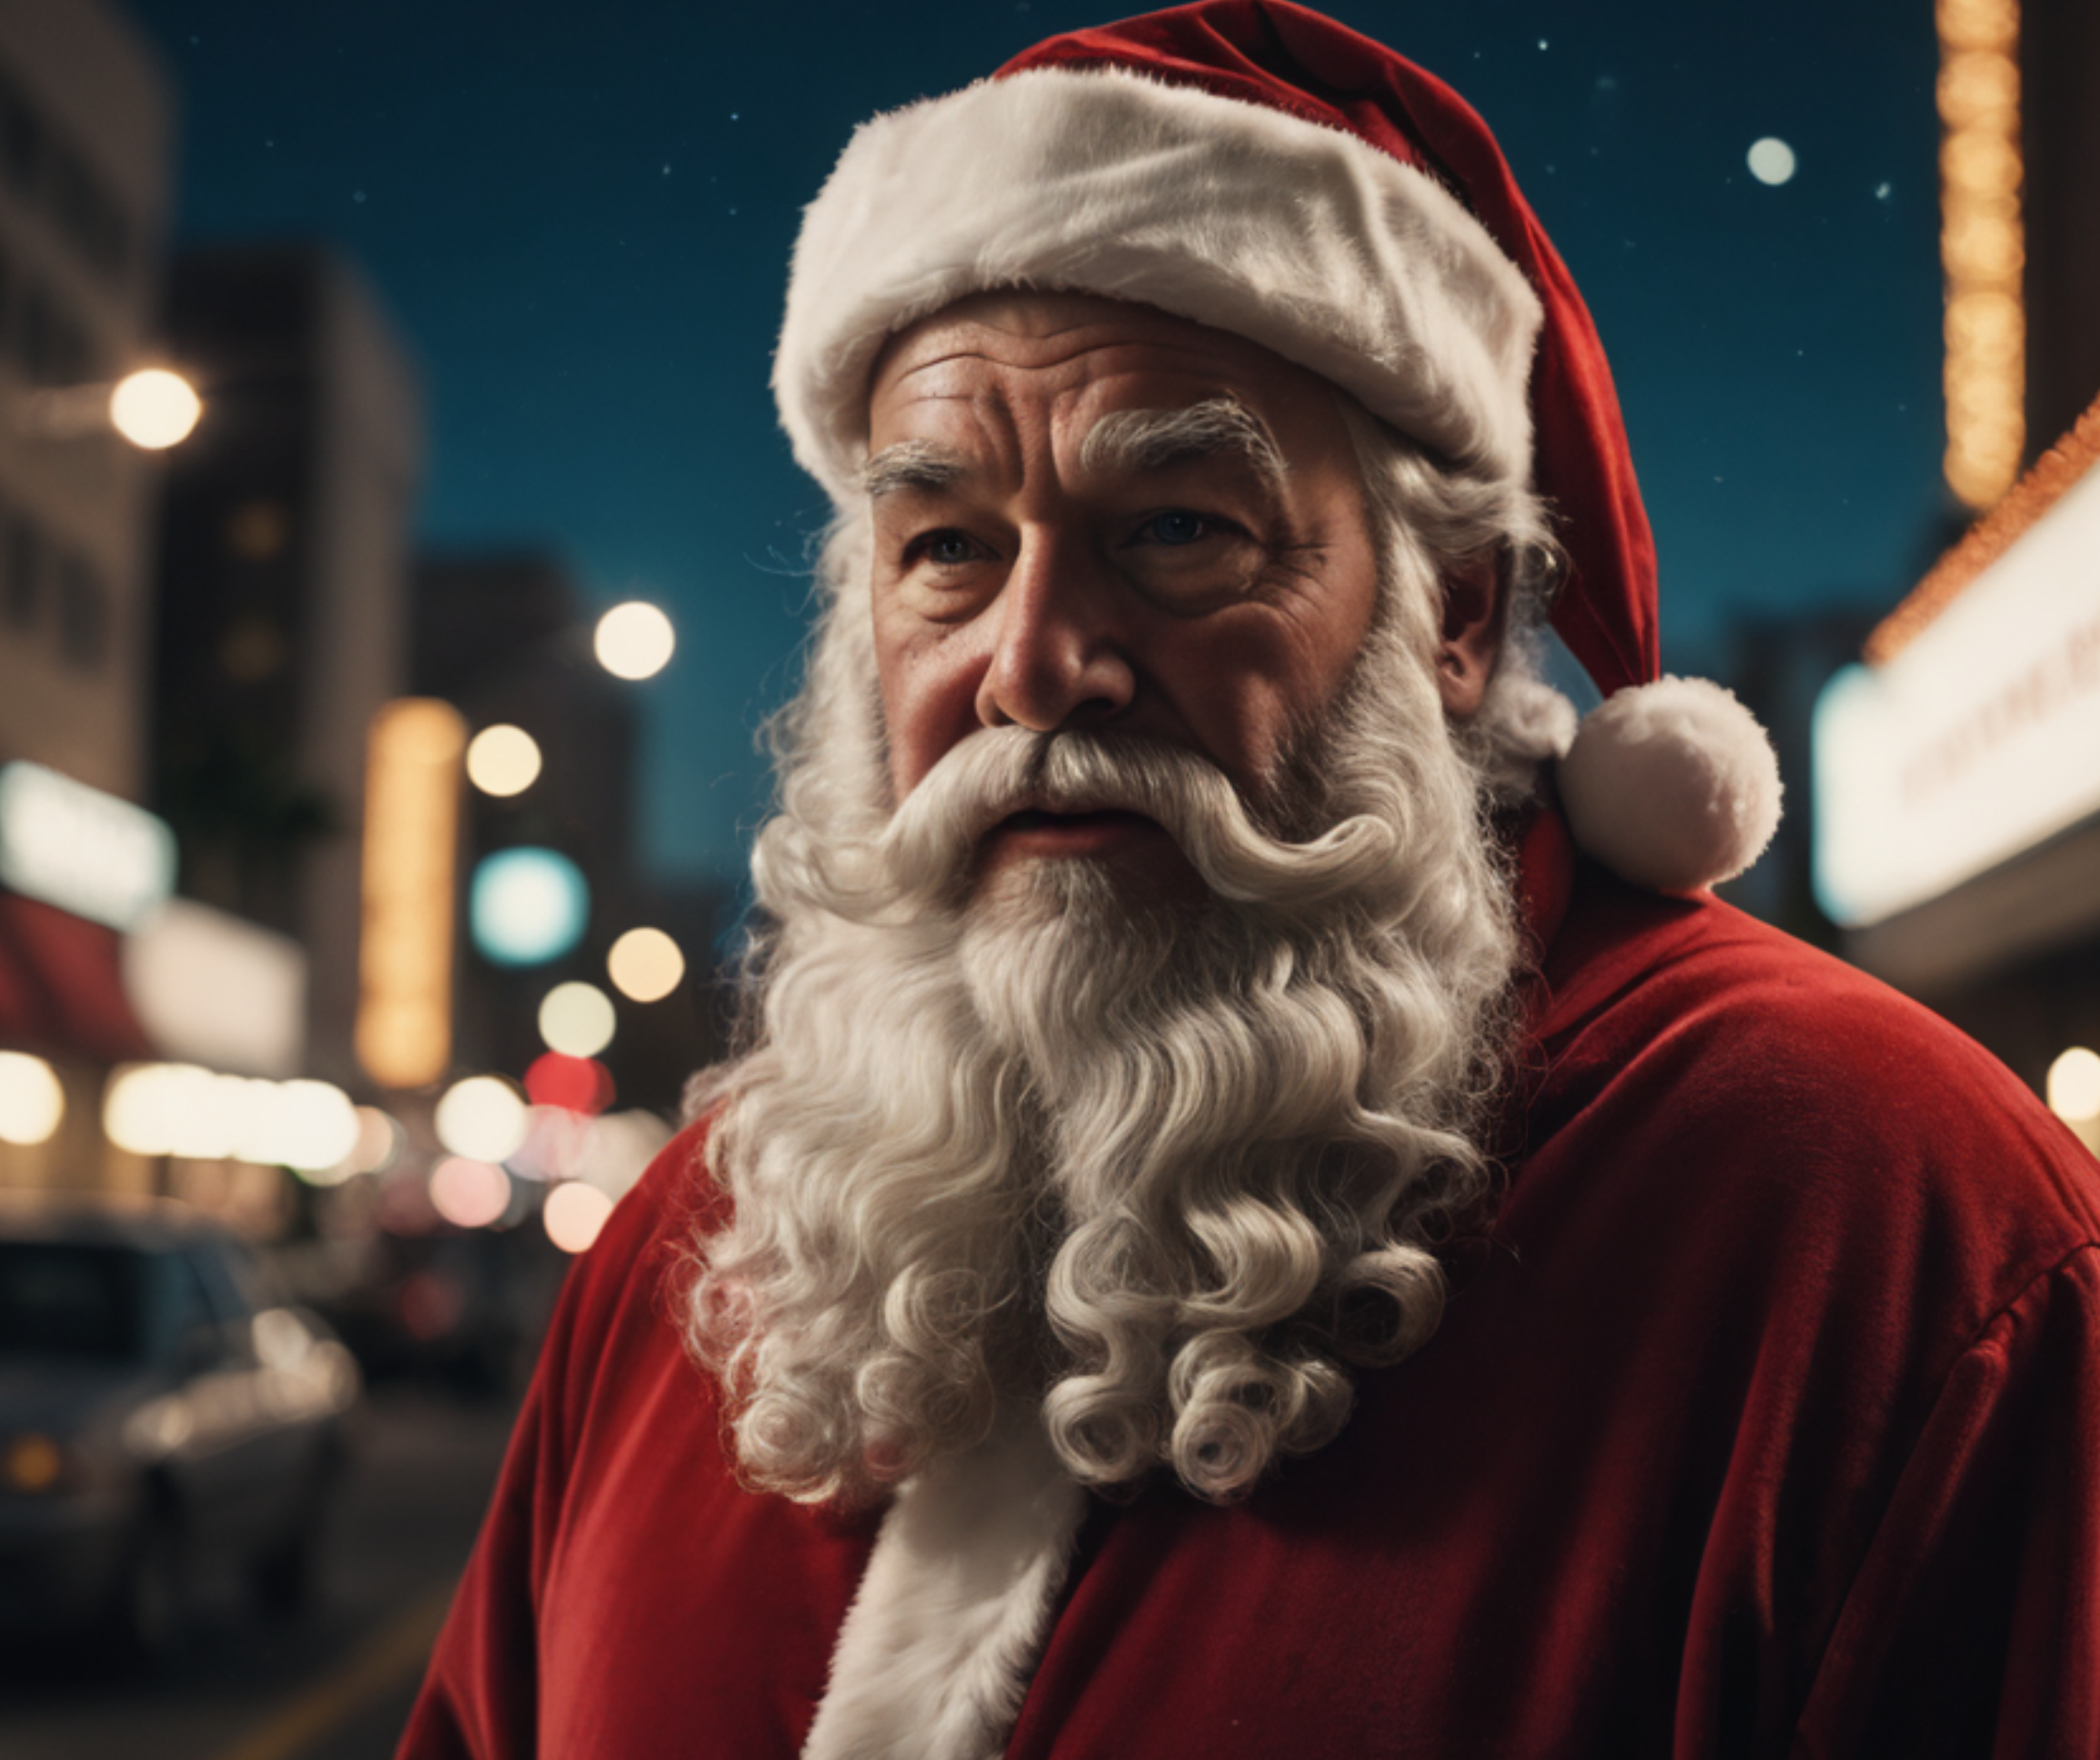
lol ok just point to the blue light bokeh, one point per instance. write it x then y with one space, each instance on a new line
526 906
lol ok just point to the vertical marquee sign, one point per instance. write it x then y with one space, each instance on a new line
413 756
1982 245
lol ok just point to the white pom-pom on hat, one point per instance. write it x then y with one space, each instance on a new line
1672 786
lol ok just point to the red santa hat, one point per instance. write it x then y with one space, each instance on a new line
1256 167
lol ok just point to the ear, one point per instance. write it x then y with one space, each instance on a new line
1471 636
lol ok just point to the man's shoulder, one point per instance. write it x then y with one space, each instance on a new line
1695 982
1697 1052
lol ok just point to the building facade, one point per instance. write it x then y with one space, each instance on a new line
1958 765
285 557
86 126
86 116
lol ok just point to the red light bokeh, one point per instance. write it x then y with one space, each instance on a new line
575 1084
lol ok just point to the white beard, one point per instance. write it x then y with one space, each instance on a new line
1161 1171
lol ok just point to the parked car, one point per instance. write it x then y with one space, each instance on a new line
157 1418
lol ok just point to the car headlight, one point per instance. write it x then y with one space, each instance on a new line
31 1461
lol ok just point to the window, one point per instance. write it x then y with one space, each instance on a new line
46 173
86 212
183 1312
49 341
83 613
21 140
229 1281
60 1299
21 572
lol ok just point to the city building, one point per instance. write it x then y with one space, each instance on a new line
1958 830
86 122
284 561
1958 765
86 125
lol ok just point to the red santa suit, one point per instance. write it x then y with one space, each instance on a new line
1764 1421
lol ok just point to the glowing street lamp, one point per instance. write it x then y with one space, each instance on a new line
154 409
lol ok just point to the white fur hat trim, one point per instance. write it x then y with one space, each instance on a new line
1672 786
1302 237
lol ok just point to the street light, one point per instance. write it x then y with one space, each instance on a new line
154 409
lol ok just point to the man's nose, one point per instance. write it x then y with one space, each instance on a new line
1059 654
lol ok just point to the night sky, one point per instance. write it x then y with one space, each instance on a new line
580 222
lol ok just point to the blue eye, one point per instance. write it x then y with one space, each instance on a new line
946 549
1176 527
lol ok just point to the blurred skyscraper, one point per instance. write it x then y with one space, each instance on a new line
86 125
284 556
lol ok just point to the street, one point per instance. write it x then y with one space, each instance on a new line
337 1683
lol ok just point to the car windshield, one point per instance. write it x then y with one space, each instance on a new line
62 1299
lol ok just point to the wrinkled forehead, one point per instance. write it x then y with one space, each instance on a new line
1084 359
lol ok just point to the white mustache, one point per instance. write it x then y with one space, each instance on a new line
922 858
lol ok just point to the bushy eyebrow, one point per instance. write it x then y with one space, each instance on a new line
1150 440
910 465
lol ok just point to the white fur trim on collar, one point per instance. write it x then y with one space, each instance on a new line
952 1615
1303 237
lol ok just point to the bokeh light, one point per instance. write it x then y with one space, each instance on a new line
179 1109
576 1213
572 1083
2074 1085
154 409
618 1149
527 906
577 1019
143 1106
645 965
377 1146
380 1139
503 760
634 640
469 1194
1771 160
31 1102
482 1118
31 1461
308 1126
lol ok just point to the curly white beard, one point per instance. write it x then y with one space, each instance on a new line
1166 1170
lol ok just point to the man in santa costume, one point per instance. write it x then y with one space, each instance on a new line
1264 1210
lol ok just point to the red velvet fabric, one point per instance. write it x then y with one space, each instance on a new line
1288 58
1767 1421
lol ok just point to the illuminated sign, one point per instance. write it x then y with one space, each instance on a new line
413 757
80 849
1982 245
527 906
210 988
1980 739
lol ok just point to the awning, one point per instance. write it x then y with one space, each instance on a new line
61 987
